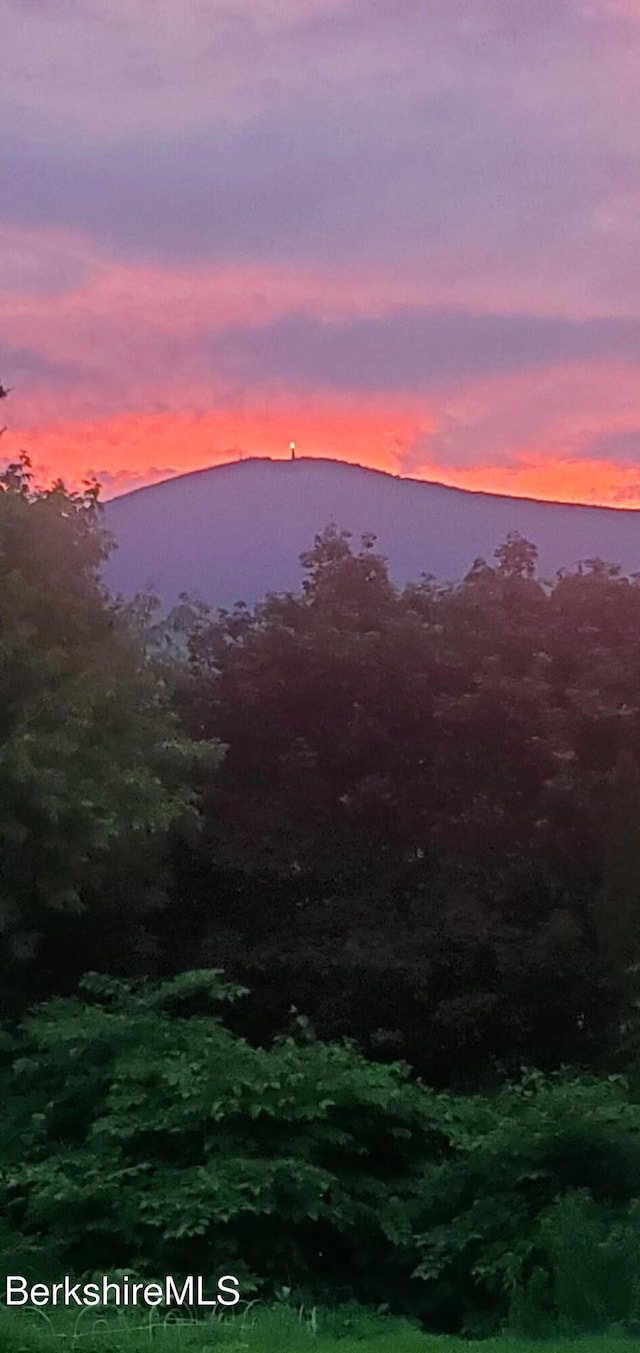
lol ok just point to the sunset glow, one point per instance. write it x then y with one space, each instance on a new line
408 235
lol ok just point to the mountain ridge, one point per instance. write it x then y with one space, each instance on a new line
370 470
234 531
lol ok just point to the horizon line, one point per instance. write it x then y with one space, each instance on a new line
367 469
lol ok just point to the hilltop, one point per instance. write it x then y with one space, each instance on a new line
234 532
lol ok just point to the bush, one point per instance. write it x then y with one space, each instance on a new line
138 1132
591 1279
510 1202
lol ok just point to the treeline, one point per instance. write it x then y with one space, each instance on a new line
424 832
405 816
404 823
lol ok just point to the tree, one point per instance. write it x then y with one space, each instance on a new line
384 846
329 694
90 754
517 557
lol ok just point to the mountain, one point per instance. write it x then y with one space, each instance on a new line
234 532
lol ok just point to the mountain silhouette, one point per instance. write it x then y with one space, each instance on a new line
234 532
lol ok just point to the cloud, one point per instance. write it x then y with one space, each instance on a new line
555 432
326 184
27 363
622 447
335 132
40 263
421 219
411 350
123 481
162 338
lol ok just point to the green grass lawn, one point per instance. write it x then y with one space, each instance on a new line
255 1331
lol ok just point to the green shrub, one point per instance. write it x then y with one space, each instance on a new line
138 1132
591 1277
527 1162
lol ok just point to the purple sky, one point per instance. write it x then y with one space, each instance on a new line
404 233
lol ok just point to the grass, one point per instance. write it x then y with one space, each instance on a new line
255 1331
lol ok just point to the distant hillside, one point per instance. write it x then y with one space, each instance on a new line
234 532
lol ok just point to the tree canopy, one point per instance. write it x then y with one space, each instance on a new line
411 834
91 755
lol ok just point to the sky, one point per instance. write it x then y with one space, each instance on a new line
403 233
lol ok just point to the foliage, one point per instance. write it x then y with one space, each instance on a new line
483 717
92 761
137 1131
133 1134
539 1208
420 835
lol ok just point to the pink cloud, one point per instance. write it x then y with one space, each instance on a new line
338 160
